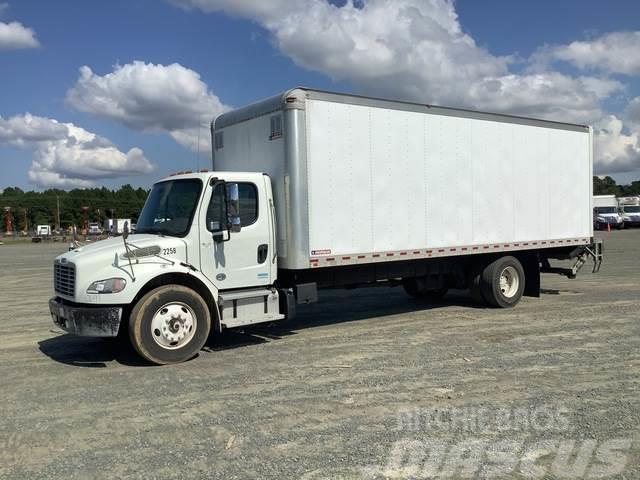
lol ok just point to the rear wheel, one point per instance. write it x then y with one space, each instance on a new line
170 324
502 282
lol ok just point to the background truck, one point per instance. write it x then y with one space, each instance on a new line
315 190
115 226
629 210
94 229
43 230
605 212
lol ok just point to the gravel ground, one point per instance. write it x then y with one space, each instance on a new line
365 384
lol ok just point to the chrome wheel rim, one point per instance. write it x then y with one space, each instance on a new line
173 325
509 281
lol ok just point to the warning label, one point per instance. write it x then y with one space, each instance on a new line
321 252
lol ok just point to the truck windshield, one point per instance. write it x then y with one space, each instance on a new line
605 209
632 209
170 207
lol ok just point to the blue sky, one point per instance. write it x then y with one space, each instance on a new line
135 118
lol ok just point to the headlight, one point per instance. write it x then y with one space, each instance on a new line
110 285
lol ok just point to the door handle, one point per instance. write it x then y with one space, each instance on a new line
262 252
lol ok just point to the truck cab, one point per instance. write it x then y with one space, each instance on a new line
629 209
186 270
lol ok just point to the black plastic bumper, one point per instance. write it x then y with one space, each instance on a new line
84 320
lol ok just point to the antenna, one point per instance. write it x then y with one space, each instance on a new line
198 149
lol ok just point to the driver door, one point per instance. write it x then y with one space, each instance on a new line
237 259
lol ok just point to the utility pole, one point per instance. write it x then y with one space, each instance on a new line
26 220
57 212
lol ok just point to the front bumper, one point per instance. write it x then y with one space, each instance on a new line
85 320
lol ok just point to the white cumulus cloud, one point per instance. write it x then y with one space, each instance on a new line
632 114
14 36
152 98
615 150
68 156
414 50
617 52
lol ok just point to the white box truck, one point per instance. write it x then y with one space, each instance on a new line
629 210
115 226
605 213
43 230
312 190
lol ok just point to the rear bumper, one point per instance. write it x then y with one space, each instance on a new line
85 320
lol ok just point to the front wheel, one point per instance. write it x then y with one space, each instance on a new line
170 324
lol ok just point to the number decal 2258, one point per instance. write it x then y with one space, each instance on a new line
169 251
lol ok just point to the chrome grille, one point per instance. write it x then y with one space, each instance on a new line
64 278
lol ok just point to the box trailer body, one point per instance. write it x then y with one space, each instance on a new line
359 180
606 213
313 190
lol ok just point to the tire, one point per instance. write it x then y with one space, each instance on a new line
502 282
413 289
170 324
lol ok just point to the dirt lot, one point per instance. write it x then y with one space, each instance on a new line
368 384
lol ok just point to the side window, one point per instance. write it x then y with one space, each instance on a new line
218 140
248 203
248 194
216 221
276 127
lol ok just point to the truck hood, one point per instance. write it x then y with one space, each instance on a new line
115 245
106 259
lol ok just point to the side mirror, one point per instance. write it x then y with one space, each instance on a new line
233 207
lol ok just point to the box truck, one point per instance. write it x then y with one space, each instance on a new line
313 190
116 226
605 213
629 210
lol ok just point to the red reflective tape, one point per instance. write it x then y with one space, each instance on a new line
361 256
429 251
506 245
464 249
330 259
476 248
416 253
346 258
452 249
403 253
441 250
516 244
375 255
390 254
486 246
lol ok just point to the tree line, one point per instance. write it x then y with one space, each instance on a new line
608 186
42 208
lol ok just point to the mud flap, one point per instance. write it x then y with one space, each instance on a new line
531 265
